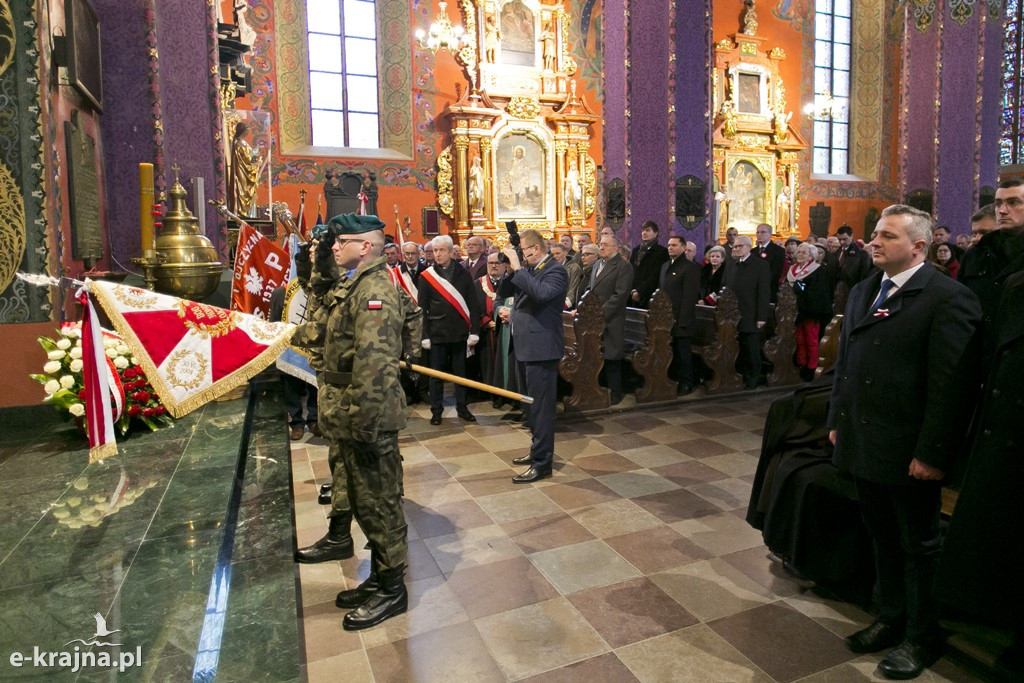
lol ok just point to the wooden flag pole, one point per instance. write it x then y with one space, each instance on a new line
467 382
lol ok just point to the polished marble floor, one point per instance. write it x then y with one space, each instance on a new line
633 562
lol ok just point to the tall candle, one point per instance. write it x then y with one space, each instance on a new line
146 210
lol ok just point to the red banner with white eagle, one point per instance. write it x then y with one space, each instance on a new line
191 352
260 267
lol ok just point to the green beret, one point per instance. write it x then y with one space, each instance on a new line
351 224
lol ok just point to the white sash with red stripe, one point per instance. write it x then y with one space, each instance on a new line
401 279
448 291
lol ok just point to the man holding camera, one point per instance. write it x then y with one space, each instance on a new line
539 287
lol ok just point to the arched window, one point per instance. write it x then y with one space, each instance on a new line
832 31
342 38
1011 143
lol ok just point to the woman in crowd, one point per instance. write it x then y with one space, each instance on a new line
945 261
813 302
711 274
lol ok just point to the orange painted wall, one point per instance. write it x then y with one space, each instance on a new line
785 34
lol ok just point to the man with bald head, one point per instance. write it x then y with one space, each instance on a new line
475 261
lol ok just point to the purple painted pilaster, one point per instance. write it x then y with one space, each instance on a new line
189 119
921 94
614 91
958 124
692 101
991 92
648 121
124 125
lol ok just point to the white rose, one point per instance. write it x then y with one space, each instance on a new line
76 365
52 367
122 349
77 409
134 361
75 352
67 381
63 343
56 355
51 386
111 353
120 362
109 343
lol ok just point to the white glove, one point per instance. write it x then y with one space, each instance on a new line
472 340
425 344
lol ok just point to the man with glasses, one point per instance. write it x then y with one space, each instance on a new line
451 324
539 287
750 280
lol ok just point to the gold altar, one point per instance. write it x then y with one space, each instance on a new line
520 133
756 149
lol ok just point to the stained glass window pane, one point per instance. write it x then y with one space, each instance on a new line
839 165
823 25
822 53
328 128
359 19
821 133
325 91
323 16
841 83
824 5
821 81
362 94
361 56
840 135
842 8
841 56
842 34
820 160
363 131
832 34
324 53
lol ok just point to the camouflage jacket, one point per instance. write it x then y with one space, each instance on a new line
363 326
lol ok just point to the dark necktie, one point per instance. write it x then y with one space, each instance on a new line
887 286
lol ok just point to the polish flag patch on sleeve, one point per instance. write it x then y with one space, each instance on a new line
374 305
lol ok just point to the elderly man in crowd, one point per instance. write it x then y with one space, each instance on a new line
572 269
475 261
451 324
611 280
566 242
749 278
899 411
590 253
772 254
691 251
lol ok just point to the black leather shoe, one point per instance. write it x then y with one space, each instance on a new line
465 414
525 460
684 390
324 497
389 600
531 475
909 660
295 432
435 419
325 488
616 399
314 428
877 636
336 545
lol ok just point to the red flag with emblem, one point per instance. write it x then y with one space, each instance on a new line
260 267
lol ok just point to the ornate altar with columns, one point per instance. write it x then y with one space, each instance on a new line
520 132
756 149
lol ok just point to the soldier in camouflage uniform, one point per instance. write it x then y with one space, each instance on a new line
365 325
337 543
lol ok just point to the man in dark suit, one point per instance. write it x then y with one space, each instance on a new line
611 280
849 264
646 259
772 254
750 280
539 290
680 278
451 324
411 261
476 259
487 303
898 415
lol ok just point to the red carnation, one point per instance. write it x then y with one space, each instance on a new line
160 410
134 411
81 394
128 373
141 396
148 412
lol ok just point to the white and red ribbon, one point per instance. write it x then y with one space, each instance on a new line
401 279
450 294
362 202
97 383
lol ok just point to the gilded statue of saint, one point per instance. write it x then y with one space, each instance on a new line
476 187
549 45
492 38
573 189
246 167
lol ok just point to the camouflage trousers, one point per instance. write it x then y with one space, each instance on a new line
340 506
375 492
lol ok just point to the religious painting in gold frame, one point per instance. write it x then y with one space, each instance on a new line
750 187
521 165
518 34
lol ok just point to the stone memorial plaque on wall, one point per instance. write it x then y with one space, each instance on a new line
84 194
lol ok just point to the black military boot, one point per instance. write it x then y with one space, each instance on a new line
390 600
336 545
355 597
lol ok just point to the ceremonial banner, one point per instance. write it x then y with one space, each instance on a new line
260 267
293 361
191 352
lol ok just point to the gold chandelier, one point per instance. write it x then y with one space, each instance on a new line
442 35
824 107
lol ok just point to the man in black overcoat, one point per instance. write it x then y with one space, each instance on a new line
849 264
772 254
749 278
898 416
981 566
611 280
646 259
680 279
